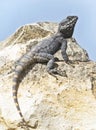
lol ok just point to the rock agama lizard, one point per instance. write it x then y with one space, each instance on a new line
44 53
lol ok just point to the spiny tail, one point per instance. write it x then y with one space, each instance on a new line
21 66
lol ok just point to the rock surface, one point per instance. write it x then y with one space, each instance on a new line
68 103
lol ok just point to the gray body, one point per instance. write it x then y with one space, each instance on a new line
44 53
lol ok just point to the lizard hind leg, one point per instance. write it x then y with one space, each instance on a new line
51 67
50 60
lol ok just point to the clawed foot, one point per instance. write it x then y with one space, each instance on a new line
62 73
70 63
55 72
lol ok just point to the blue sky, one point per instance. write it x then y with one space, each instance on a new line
15 13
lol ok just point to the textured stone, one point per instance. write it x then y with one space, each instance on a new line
68 103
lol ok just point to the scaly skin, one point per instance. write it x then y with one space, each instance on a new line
44 53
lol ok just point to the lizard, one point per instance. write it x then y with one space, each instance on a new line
44 53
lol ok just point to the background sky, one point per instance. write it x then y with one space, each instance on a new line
15 13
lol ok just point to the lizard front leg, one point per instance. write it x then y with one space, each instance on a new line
64 54
63 51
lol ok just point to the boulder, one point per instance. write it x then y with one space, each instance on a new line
62 103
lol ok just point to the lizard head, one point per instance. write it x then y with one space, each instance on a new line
66 26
